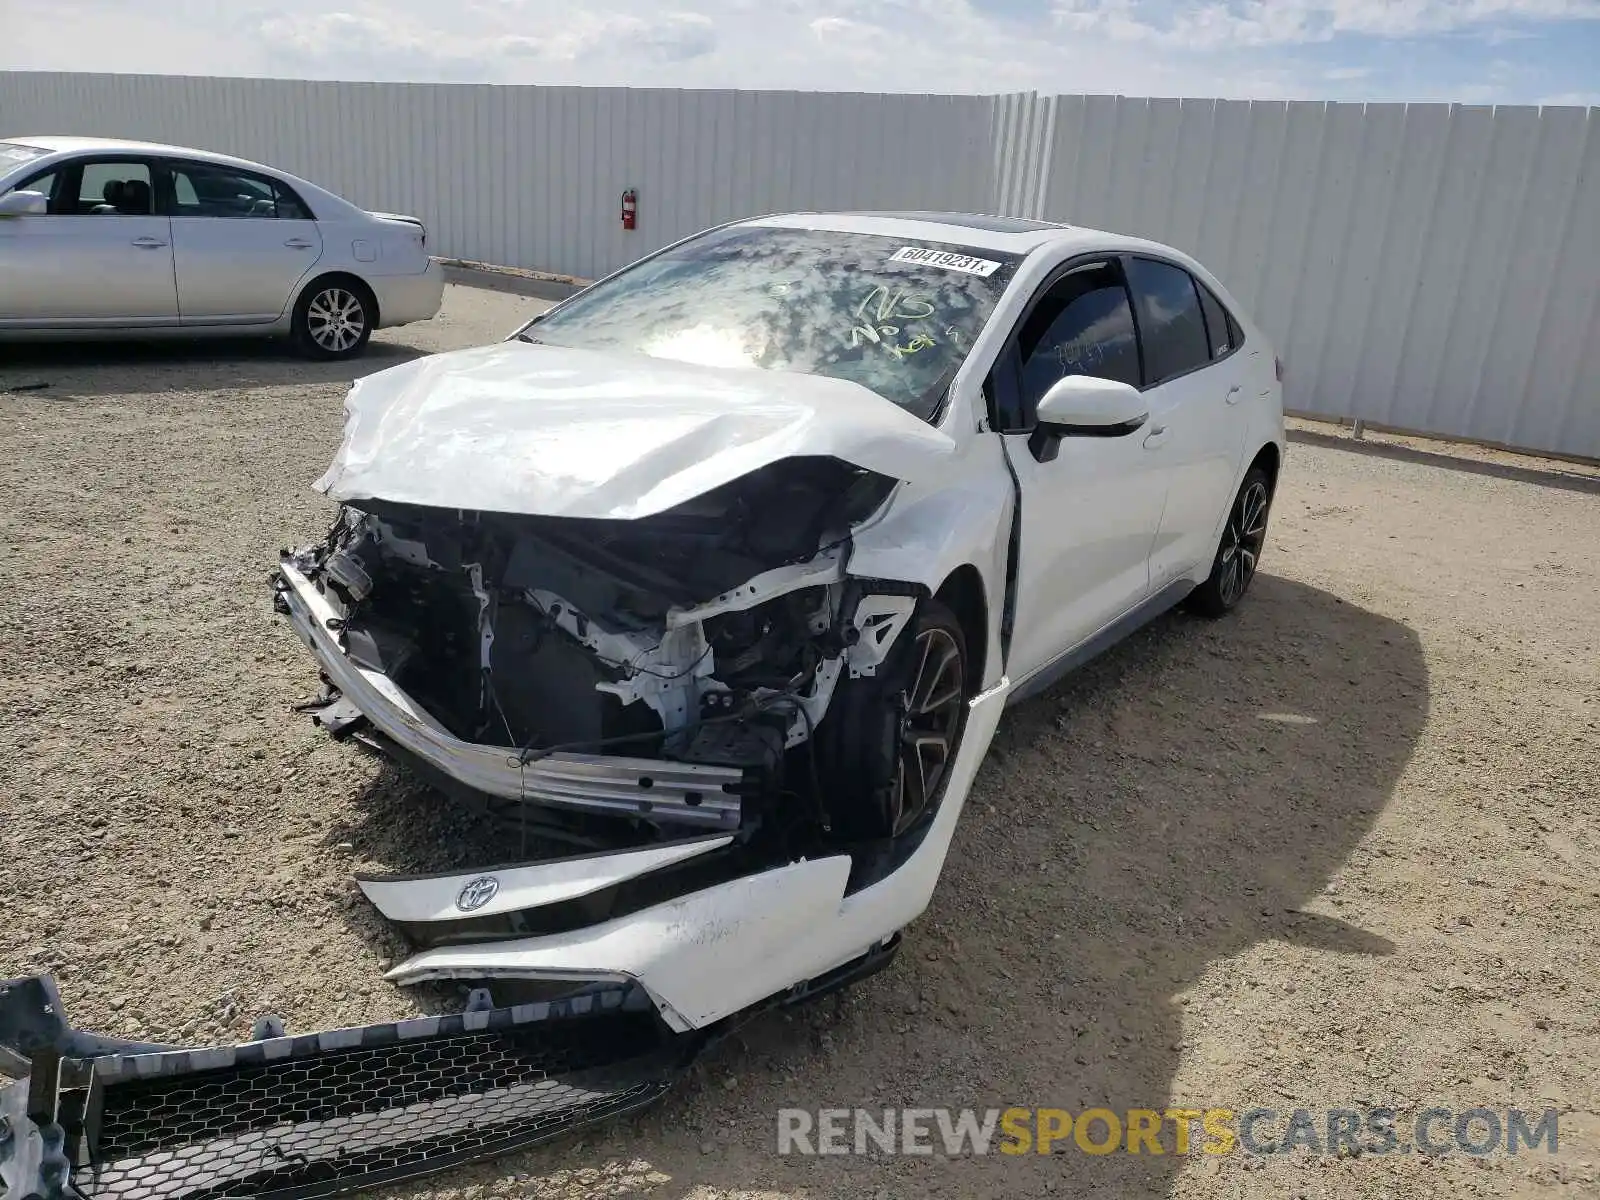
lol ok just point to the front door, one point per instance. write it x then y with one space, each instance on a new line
242 244
1090 514
98 257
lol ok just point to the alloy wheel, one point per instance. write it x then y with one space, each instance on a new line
336 319
929 725
1242 542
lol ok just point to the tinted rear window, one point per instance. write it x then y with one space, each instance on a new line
1219 325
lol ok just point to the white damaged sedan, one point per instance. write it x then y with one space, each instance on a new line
724 568
708 586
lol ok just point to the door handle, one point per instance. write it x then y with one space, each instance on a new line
148 243
298 244
1235 394
1156 437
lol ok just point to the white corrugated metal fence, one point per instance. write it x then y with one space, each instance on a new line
1432 267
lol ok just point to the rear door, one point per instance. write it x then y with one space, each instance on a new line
1197 424
1090 514
242 243
100 256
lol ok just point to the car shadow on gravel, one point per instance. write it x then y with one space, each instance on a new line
1175 803
87 370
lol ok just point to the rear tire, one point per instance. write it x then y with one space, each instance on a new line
890 739
333 319
1239 551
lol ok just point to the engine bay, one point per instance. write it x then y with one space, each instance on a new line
714 634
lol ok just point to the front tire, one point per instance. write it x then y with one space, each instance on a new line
890 739
1239 551
333 319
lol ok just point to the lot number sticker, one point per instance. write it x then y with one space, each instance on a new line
946 260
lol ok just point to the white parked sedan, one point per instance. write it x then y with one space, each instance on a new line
108 238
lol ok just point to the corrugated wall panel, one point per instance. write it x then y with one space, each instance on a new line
1428 266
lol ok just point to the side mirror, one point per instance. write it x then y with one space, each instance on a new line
24 204
1085 406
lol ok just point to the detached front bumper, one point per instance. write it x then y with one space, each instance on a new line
689 794
318 1114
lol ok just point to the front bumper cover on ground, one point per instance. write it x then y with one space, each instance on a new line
317 1114
322 1114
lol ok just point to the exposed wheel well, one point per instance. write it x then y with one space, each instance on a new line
963 594
1267 459
353 282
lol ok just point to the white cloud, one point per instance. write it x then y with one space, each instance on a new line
1236 48
1573 99
1219 23
675 37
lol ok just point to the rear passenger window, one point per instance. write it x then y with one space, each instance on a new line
1170 323
1220 328
202 190
1082 326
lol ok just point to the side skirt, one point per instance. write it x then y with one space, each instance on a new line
1057 669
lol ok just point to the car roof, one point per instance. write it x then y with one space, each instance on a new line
1013 235
325 203
61 144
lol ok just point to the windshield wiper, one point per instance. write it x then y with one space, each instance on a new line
529 338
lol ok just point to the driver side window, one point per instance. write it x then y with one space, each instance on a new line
1082 326
47 184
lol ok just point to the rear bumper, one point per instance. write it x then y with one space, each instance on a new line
403 299
686 794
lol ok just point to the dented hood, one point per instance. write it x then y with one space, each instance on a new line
550 431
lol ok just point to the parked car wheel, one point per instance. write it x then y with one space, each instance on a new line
334 318
891 742
1239 551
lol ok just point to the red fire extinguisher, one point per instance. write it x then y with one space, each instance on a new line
630 209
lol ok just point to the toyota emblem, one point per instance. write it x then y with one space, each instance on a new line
477 893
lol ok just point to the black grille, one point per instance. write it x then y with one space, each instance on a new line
321 1120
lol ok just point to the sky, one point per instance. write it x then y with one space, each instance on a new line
1471 51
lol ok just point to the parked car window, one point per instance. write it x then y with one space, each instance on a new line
1170 324
48 184
1219 324
110 188
201 190
896 317
1082 326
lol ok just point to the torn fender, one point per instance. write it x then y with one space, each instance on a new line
552 431
708 954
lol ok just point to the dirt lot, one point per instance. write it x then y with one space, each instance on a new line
1342 849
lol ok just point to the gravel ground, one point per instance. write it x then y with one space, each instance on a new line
1340 849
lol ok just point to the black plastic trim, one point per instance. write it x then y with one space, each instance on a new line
1142 614
293 1118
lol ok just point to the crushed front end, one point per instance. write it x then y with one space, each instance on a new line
671 671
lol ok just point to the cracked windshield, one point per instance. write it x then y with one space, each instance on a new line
894 316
